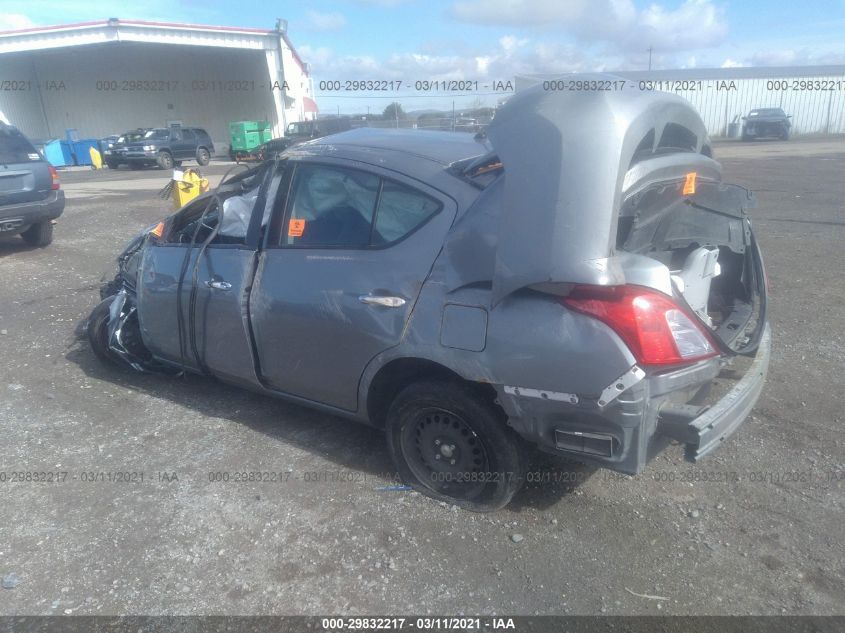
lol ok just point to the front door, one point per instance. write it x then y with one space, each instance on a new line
216 273
340 274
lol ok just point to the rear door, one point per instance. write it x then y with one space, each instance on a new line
340 274
24 174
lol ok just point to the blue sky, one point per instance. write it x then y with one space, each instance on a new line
487 40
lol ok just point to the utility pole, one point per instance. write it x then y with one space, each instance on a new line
649 57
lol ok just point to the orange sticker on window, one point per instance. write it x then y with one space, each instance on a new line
689 184
296 228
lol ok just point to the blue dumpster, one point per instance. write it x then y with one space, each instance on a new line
57 152
80 150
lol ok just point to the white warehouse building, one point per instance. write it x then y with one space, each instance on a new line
106 77
814 96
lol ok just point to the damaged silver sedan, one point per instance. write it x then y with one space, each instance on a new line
580 279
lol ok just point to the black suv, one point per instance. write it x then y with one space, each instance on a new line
30 198
168 147
114 152
762 122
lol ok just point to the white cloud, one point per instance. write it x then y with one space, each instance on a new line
326 21
616 23
13 21
730 63
510 57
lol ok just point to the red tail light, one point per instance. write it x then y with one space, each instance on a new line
657 330
55 176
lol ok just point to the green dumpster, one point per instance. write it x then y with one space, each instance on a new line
245 136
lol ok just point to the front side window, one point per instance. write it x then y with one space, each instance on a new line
346 208
156 135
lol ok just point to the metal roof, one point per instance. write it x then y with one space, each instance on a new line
117 30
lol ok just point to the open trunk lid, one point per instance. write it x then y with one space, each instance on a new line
596 191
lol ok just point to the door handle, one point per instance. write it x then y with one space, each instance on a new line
218 284
379 300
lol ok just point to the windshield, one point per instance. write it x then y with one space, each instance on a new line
131 137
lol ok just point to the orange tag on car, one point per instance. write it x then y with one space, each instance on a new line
296 228
158 231
689 184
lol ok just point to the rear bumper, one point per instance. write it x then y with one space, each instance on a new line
627 433
17 216
704 432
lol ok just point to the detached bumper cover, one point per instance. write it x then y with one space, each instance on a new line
707 431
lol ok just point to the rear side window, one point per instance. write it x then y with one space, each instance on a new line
188 135
400 211
14 148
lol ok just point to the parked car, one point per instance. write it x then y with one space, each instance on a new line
302 131
106 144
560 282
30 194
168 147
763 122
114 151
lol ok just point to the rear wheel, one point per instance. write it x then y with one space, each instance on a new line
203 157
165 160
452 445
784 134
39 234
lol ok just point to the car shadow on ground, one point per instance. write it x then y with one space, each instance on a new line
351 446
14 244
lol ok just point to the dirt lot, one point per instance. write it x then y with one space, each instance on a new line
755 529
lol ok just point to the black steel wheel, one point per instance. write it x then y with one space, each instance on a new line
453 445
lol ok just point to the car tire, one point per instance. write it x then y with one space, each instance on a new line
784 134
472 436
203 157
112 164
39 234
165 160
97 329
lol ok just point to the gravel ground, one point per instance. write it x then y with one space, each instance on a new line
755 529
